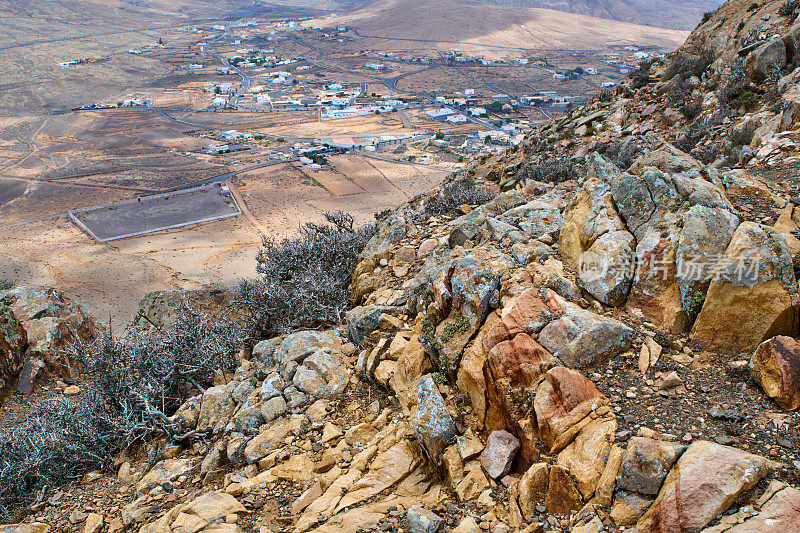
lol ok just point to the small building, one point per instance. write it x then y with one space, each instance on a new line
456 119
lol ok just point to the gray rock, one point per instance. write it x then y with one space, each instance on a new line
264 351
249 414
297 346
499 454
707 231
242 391
271 387
606 269
273 408
582 339
433 425
421 520
363 320
646 464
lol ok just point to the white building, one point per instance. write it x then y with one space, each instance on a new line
477 111
436 113
456 119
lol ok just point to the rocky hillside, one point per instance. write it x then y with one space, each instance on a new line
608 342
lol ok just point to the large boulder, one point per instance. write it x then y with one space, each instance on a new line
754 288
776 367
767 58
656 292
705 482
163 308
582 339
514 368
781 512
590 214
606 270
585 457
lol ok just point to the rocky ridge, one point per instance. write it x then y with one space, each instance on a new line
608 352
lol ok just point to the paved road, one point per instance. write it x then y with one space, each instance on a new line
233 100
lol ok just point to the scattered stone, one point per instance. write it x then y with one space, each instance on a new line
501 449
421 520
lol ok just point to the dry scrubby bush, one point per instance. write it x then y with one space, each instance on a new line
622 154
687 65
461 191
137 382
789 8
60 440
303 281
558 170
5 284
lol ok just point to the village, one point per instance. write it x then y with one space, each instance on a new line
295 73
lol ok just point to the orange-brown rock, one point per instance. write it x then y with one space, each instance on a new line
755 289
514 368
562 495
776 367
563 404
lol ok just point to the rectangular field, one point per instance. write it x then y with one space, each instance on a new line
159 212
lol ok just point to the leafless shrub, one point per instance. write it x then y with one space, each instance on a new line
137 382
688 65
557 170
622 154
789 8
640 76
148 373
303 281
461 191
60 440
698 132
5 284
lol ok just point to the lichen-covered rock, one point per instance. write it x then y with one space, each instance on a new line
755 289
433 426
646 464
706 234
582 339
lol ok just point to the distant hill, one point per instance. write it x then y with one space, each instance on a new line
454 22
672 14
30 20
